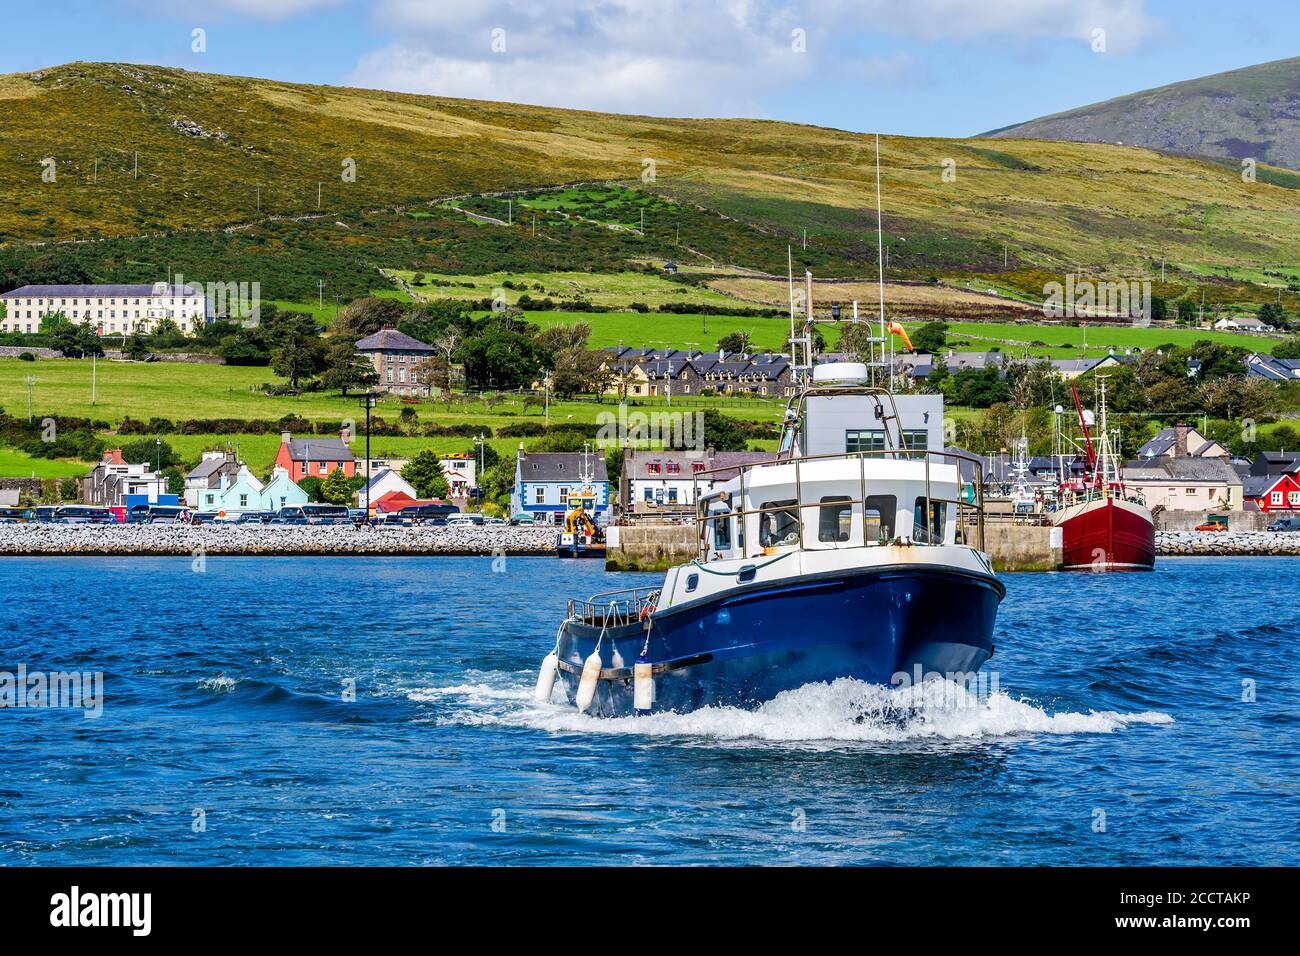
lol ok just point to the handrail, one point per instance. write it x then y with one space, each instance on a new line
705 522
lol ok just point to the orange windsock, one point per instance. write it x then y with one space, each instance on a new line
897 329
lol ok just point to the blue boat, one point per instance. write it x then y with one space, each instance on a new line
856 552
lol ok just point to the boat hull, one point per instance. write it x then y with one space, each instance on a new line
1108 534
752 643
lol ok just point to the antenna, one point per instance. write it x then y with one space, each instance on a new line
880 240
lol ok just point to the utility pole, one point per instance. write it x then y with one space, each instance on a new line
321 294
92 378
1162 270
30 380
318 185
96 179
510 212
137 165
642 223
805 237
259 198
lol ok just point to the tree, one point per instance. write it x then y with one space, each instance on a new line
368 315
558 338
931 337
297 350
137 347
578 369
502 355
424 473
739 341
435 371
337 487
76 341
345 368
854 339
310 485
68 490
151 452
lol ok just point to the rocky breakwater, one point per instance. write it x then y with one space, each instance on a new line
1175 543
155 539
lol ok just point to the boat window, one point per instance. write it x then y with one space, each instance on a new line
933 534
721 530
878 520
835 519
692 582
778 528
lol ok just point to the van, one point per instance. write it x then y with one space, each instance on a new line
1285 524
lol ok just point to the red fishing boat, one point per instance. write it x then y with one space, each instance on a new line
1103 526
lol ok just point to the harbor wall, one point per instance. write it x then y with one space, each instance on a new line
1237 520
1012 547
1226 543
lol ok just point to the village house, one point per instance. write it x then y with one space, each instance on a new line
109 308
1181 441
1272 482
207 475
544 480
314 457
110 482
281 492
1241 323
1262 365
664 481
1186 483
384 482
234 494
396 358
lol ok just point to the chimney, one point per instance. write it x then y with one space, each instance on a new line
285 437
722 355
1180 440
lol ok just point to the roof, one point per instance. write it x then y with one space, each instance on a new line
319 449
1162 444
1181 469
388 339
94 290
560 466
733 461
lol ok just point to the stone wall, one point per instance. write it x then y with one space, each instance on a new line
1188 520
209 540
1020 547
1228 543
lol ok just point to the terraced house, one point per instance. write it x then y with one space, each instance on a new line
397 357
666 372
109 308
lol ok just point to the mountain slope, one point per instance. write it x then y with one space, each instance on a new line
1252 112
212 148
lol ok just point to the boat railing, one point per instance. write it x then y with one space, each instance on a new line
969 512
614 608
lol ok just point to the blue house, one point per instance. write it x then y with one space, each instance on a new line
544 481
282 491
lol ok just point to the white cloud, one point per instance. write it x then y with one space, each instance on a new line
697 57
216 9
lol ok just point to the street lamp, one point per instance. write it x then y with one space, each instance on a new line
478 476
369 400
157 461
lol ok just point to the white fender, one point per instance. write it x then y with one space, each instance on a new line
546 678
616 659
590 677
643 685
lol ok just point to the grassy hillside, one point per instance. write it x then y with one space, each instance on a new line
209 145
1242 113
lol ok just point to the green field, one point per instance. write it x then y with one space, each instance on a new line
1066 342
16 464
611 289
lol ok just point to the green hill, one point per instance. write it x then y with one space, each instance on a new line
1252 112
142 151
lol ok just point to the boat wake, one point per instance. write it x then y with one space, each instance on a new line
844 711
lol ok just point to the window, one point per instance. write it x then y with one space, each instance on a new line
649 495
1275 498
674 468
1191 491
721 529
778 528
878 518
243 501
564 494
322 465
697 466
672 496
835 519
539 496
652 468
934 533
1293 497
873 439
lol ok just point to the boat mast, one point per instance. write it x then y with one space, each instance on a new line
880 262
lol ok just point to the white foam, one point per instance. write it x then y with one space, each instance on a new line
218 685
844 711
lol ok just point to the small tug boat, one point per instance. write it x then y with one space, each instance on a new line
581 537
864 562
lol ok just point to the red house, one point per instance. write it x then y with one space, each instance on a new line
315 456
1274 493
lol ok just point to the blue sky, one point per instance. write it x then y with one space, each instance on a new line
916 67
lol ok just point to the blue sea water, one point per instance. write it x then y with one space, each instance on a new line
1118 733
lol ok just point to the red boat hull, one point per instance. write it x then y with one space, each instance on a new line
1108 534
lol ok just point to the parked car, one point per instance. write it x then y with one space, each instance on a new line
522 519
461 521
83 514
392 520
1212 526
256 517
16 515
313 514
493 520
163 514
429 514
45 513
1285 524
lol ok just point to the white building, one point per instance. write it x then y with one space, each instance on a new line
1242 323
384 482
111 309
